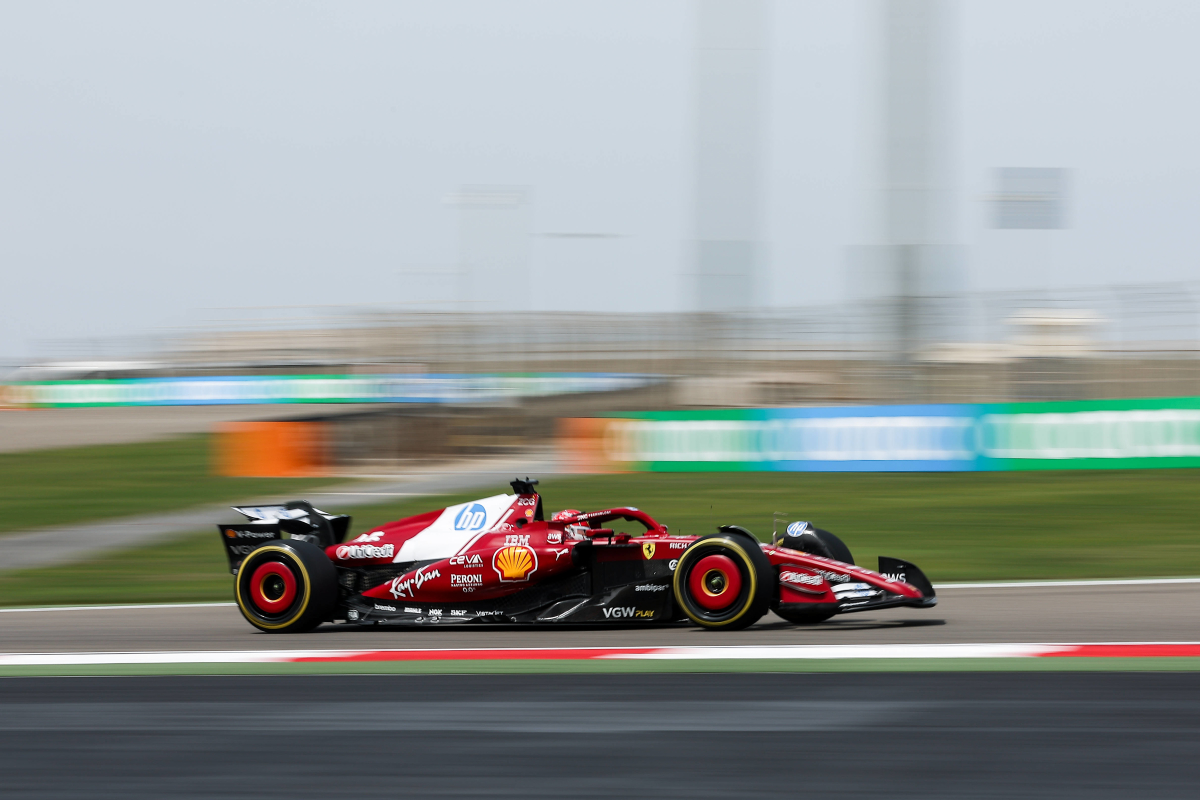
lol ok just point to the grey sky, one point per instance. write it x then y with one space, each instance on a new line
159 160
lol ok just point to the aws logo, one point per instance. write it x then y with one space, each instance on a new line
514 563
471 518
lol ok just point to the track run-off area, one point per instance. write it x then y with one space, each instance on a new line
1009 690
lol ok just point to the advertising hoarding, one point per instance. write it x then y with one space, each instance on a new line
1108 434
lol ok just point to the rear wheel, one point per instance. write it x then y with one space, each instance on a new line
723 582
286 587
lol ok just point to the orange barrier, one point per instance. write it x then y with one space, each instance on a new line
270 449
583 445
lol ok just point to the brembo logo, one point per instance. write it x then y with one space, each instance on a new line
514 563
365 551
471 518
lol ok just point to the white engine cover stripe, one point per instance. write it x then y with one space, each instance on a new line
456 526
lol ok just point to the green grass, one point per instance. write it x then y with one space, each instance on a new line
83 484
957 527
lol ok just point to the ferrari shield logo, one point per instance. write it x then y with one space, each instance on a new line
648 549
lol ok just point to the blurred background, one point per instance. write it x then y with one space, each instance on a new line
473 219
923 272
313 241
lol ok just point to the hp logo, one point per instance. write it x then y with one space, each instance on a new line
798 529
471 518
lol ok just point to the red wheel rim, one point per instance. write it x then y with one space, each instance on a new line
273 587
715 582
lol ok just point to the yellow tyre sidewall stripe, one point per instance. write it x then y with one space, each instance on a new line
749 562
307 590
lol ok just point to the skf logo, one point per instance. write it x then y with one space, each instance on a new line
648 549
514 563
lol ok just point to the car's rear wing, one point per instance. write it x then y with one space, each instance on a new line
298 519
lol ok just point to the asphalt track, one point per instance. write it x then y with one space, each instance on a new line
961 735
1121 612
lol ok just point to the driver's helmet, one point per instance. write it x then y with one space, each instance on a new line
577 533
563 516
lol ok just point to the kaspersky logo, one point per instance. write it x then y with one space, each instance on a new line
514 563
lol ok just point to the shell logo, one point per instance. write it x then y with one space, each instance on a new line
514 563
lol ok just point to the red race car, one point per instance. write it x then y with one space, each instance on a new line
498 559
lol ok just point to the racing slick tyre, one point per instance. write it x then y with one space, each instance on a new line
286 587
836 547
821 543
724 582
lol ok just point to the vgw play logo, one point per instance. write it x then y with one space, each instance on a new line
471 518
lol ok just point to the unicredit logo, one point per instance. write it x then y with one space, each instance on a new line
365 551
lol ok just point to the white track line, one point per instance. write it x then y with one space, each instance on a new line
1034 584
828 651
168 657
136 606
799 652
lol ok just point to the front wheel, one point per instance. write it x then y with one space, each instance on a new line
286 587
723 583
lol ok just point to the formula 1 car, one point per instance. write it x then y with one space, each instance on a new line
498 559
